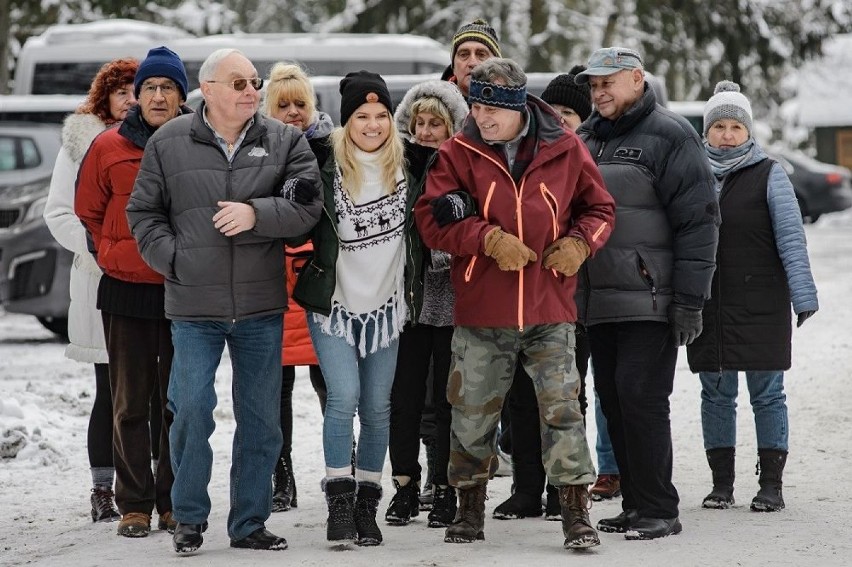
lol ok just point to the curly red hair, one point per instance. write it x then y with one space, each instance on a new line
111 77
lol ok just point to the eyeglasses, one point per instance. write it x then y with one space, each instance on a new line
241 84
150 89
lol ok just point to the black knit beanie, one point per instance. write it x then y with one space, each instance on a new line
360 87
563 90
477 30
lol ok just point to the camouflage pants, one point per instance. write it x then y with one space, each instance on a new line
483 365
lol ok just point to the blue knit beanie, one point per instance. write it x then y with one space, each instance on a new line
161 62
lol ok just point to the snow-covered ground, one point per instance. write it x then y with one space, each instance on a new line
44 490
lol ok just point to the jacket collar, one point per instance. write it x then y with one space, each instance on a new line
136 130
201 132
603 128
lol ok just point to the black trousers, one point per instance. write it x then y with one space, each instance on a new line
529 474
288 379
99 434
140 358
420 345
634 375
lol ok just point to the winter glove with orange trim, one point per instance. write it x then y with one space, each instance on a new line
507 250
566 255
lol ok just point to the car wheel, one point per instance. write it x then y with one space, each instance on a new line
58 325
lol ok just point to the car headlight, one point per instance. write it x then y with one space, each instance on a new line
35 210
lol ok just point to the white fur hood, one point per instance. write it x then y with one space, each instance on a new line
448 93
78 132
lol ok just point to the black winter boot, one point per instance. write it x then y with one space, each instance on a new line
404 505
366 504
576 526
721 463
283 486
518 505
469 523
444 507
552 507
340 496
771 468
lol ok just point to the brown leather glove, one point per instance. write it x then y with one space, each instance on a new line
566 255
507 249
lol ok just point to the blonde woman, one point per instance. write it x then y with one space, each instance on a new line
355 290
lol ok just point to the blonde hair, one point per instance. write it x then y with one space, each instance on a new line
288 81
392 158
435 107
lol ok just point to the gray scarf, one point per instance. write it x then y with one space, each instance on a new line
724 161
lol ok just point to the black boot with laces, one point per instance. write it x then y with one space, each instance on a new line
444 507
404 505
283 486
103 505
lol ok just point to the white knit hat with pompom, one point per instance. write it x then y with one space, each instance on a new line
727 102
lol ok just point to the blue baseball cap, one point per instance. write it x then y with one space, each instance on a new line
609 60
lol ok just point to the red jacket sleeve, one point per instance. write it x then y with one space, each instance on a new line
92 193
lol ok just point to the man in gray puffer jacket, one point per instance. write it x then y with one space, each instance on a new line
641 296
216 194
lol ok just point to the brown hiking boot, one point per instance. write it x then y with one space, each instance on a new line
576 527
606 487
167 522
470 518
134 524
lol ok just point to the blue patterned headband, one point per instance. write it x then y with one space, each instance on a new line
501 96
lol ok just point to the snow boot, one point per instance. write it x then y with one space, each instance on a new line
283 486
721 463
444 507
770 465
103 505
518 505
134 524
366 505
469 523
576 526
404 505
340 496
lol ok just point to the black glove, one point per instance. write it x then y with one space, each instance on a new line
686 323
453 207
299 190
804 316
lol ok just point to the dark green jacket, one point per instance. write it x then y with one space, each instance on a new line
318 278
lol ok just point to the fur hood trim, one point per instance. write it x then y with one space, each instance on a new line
78 132
448 93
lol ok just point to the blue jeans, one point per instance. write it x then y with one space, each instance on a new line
355 384
255 348
603 446
719 408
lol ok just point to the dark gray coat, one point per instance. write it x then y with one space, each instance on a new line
184 173
663 245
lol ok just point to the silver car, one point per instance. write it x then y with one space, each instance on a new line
34 268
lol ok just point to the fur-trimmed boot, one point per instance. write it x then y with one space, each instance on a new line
366 504
771 468
721 463
340 496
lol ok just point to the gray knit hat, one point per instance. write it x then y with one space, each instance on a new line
727 102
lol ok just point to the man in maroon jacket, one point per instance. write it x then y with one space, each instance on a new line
520 205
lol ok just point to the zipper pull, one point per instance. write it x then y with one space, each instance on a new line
654 296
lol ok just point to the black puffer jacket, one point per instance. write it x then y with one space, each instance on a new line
184 173
664 242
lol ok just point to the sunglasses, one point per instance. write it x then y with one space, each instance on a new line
241 84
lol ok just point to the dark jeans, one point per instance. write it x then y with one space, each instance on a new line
140 358
418 345
634 375
529 474
288 379
99 434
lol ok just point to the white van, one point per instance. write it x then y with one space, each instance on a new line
65 58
